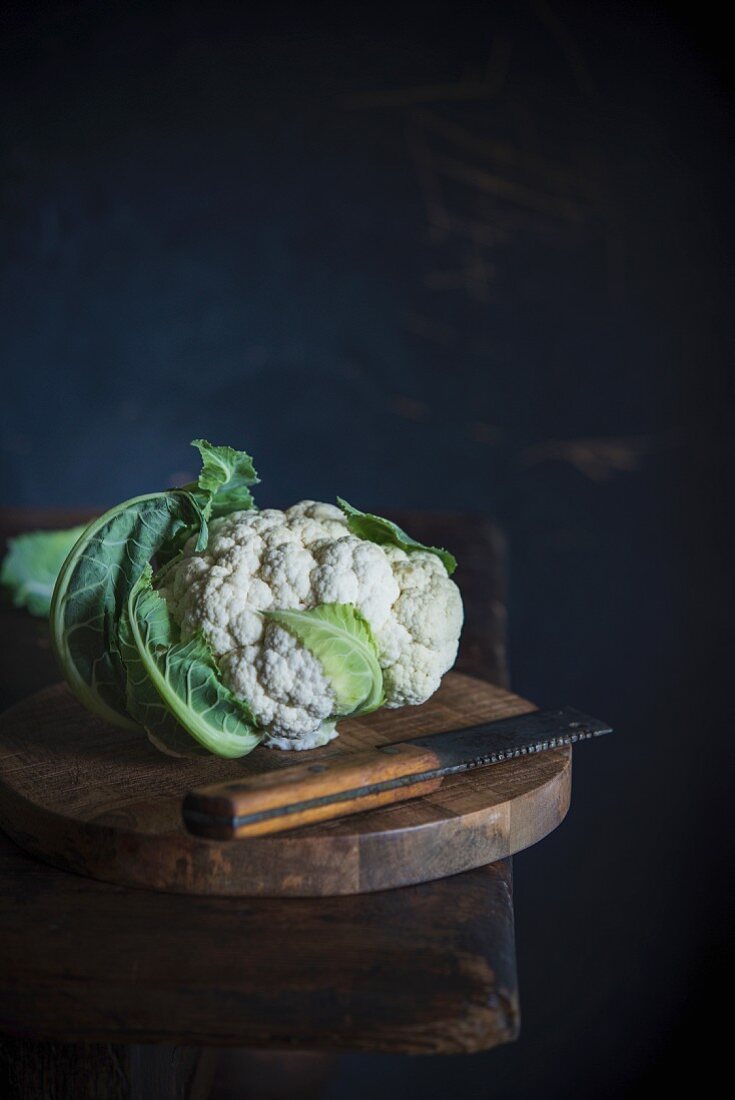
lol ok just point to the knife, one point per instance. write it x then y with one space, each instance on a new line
349 783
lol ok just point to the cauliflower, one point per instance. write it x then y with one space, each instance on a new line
191 616
257 563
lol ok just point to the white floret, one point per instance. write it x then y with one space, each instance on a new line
285 686
298 559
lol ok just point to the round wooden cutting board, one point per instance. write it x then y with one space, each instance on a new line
102 802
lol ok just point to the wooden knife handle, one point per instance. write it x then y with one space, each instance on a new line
306 793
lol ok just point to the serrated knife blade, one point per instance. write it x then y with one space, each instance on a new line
351 783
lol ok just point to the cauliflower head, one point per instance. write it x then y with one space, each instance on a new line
296 560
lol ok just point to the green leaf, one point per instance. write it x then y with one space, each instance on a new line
339 636
109 559
143 703
376 529
31 566
174 688
93 587
96 636
226 477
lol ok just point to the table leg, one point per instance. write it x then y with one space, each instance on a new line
32 1070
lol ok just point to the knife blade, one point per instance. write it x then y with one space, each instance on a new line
349 783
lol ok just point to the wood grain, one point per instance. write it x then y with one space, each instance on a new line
427 969
102 802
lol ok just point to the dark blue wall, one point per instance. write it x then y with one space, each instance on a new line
471 260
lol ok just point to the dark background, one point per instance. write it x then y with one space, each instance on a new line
464 256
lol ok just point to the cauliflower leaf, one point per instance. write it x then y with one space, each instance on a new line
32 564
339 636
173 687
111 556
92 589
226 477
380 530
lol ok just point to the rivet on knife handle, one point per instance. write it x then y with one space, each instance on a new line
339 785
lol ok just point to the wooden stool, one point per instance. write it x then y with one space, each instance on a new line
113 992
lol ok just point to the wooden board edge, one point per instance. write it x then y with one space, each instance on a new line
110 855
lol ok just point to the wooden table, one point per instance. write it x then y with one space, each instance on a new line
110 992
